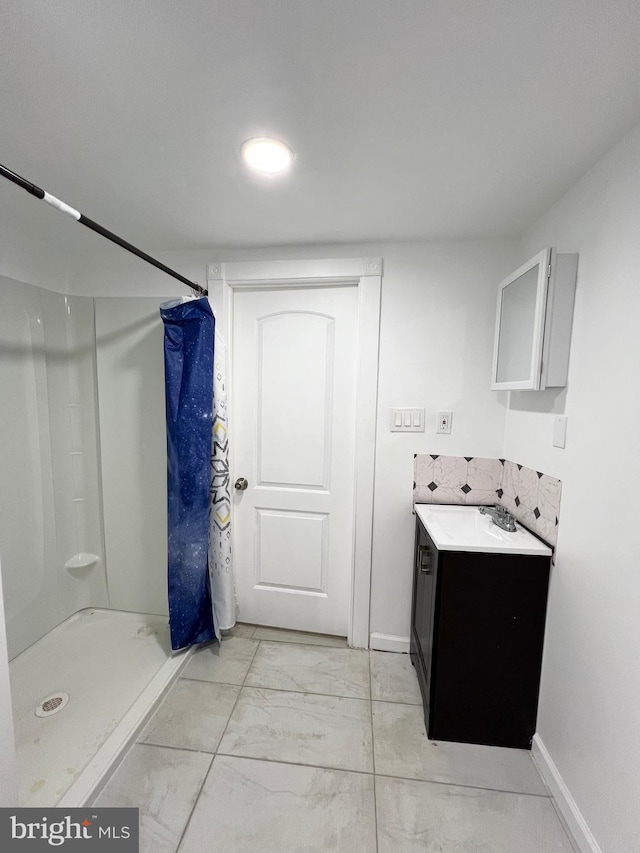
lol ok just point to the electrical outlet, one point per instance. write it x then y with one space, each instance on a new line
444 422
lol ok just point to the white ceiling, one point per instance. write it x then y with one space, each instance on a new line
410 119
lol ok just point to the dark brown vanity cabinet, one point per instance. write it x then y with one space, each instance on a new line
477 631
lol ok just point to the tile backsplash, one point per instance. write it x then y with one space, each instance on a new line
533 497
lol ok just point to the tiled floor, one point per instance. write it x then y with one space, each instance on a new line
282 741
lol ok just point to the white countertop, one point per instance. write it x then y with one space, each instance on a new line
465 528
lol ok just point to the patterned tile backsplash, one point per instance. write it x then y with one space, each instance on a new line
533 497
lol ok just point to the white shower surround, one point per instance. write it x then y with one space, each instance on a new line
115 667
50 510
133 450
52 542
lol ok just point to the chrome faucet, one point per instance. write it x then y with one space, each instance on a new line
500 516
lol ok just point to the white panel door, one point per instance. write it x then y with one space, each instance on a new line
293 422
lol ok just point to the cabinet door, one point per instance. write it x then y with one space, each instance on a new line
522 299
489 634
425 572
416 600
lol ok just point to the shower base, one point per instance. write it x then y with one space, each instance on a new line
115 667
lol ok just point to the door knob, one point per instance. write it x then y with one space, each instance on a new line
241 484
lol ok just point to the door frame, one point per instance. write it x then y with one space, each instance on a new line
223 280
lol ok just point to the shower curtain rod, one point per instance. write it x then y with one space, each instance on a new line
84 220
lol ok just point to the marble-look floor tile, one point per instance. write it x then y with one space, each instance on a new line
282 635
423 469
549 493
484 474
526 517
510 482
240 629
509 504
163 784
547 529
311 669
452 495
227 662
403 749
529 488
394 679
249 805
193 715
450 471
423 817
422 495
301 728
481 497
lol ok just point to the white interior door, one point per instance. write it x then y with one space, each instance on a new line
293 421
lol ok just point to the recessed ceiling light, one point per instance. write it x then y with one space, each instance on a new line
267 156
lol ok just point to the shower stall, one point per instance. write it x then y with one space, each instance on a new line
82 532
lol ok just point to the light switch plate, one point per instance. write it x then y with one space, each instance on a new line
407 420
560 431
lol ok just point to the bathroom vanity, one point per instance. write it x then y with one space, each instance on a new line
477 626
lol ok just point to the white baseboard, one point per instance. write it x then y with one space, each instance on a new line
567 806
389 643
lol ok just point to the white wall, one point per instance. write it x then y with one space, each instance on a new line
436 339
590 697
438 308
42 260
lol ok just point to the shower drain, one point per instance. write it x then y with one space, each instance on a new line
52 704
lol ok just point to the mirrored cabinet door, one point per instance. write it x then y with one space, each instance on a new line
520 325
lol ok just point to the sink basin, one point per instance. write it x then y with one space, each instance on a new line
464 528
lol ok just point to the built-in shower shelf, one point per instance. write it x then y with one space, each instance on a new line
82 562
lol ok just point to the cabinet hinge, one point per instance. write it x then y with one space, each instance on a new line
549 271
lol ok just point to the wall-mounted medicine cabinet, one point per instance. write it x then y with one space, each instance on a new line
533 323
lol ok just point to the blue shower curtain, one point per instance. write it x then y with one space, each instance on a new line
189 329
